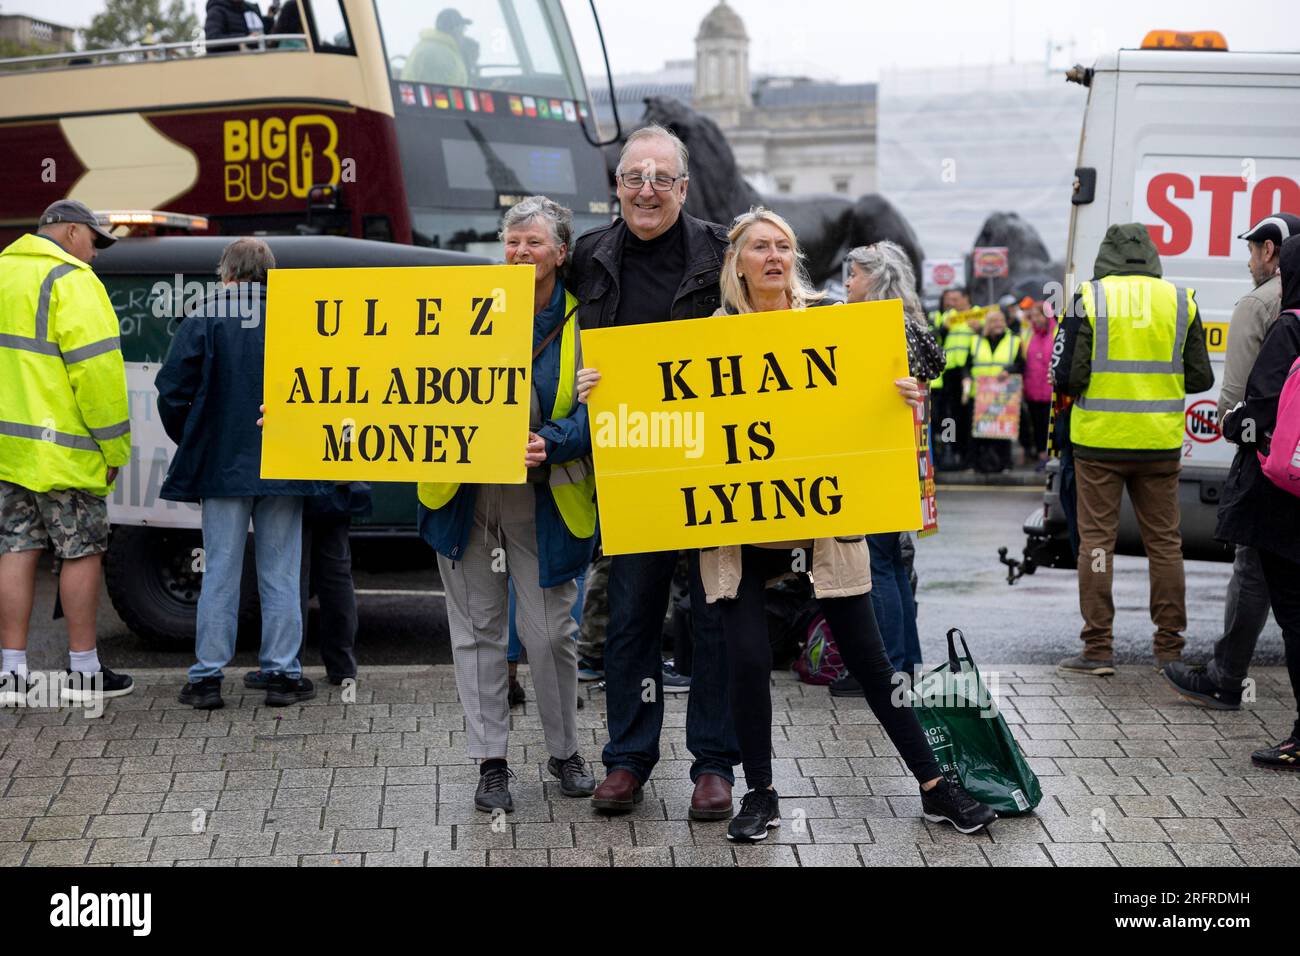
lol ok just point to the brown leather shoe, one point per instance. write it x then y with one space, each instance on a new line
711 799
618 792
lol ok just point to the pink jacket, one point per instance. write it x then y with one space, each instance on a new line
1038 364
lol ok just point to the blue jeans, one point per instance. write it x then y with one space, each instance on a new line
277 542
513 648
639 586
891 597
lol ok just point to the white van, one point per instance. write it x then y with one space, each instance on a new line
1196 144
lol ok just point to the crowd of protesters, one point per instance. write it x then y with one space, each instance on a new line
996 342
656 263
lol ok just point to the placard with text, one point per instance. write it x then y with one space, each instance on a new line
997 408
398 374
752 428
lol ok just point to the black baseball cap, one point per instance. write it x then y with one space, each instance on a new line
451 18
71 210
1279 227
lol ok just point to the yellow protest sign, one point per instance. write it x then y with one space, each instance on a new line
956 320
755 428
398 374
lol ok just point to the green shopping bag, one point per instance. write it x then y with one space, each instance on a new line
969 737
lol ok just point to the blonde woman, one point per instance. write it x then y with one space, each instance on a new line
762 271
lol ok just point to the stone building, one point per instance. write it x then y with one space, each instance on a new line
36 34
790 134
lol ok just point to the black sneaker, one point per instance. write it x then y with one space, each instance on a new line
13 690
847 686
338 679
575 779
204 694
1193 683
759 811
516 694
493 792
591 668
1285 756
83 688
257 680
948 802
675 683
283 690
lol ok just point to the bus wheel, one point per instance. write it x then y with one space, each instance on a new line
154 576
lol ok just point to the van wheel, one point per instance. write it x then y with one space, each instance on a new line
154 582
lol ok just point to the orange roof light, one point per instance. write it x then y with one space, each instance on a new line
152 217
1180 40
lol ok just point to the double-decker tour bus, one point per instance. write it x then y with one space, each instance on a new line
367 119
381 119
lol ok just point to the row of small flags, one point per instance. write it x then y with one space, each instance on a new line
475 101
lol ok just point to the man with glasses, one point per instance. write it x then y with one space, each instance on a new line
656 264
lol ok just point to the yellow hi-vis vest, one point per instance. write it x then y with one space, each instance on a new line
63 404
957 347
572 483
1135 395
990 361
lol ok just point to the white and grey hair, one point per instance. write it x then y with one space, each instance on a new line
247 259
888 271
557 217
662 132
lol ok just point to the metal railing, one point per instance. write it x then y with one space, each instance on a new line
154 52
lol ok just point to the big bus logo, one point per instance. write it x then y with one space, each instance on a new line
274 159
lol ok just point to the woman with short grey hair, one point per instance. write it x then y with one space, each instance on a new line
884 271
538 535
557 218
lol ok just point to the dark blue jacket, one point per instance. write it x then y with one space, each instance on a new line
561 556
208 392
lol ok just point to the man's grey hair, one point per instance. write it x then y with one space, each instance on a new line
888 271
245 260
662 132
559 218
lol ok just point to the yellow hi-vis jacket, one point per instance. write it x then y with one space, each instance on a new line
63 401
989 361
957 346
572 483
1135 395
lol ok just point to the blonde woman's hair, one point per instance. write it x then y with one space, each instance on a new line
735 295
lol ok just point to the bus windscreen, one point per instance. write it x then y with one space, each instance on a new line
505 45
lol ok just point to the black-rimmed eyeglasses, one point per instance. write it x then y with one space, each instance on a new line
660 184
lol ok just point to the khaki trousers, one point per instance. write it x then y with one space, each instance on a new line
477 603
1153 489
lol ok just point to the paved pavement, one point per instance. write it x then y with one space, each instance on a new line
403 619
1131 775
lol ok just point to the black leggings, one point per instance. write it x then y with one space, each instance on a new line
1282 575
853 624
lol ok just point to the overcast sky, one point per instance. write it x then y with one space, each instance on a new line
853 41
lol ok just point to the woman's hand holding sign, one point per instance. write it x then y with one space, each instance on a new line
535 451
587 379
910 390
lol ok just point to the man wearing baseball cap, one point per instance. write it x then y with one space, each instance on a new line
1217 684
64 433
439 56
